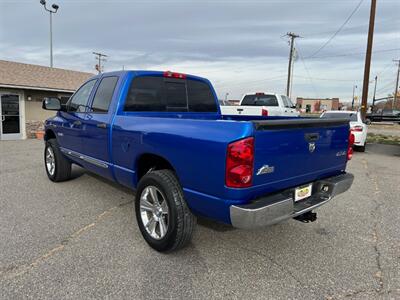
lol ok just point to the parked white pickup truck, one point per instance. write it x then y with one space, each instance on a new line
262 104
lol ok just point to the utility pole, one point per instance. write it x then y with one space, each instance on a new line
292 36
397 84
100 57
374 98
352 102
368 59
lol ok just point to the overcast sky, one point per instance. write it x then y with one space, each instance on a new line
239 45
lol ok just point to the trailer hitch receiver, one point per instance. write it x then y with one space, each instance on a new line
307 217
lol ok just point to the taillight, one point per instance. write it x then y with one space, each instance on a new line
170 74
357 128
264 112
350 146
239 163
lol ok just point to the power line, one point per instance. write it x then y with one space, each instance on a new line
308 73
363 25
352 54
386 67
327 79
249 81
386 87
337 31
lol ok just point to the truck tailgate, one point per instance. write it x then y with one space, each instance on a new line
291 152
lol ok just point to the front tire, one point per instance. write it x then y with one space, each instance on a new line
162 214
58 167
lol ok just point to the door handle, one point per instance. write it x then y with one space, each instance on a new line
102 125
77 123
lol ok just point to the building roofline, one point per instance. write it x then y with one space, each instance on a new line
46 67
24 87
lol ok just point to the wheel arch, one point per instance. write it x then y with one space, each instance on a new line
150 161
49 134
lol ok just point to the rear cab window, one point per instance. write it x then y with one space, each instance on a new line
159 94
260 100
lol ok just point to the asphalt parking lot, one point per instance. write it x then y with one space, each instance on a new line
79 239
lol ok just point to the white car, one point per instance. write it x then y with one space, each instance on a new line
357 126
262 104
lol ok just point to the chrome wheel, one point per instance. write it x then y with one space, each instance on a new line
154 212
50 161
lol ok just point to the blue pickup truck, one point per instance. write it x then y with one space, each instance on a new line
162 134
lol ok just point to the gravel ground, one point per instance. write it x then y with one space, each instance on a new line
79 240
382 128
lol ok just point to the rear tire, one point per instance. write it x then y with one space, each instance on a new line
166 223
58 167
360 148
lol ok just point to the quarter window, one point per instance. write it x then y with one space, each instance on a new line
79 100
104 93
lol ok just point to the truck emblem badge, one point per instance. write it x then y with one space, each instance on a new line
341 153
311 147
265 170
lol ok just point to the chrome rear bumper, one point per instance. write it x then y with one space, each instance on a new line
278 207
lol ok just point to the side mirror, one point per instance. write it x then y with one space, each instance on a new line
51 104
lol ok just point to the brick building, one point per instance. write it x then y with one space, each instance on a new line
314 105
22 89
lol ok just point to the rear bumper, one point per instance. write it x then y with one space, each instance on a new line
278 207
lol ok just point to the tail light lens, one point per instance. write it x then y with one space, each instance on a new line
239 163
264 112
357 128
350 147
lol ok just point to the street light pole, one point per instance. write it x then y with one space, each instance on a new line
374 98
51 11
51 40
352 102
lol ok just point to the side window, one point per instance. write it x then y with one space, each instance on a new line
145 94
104 93
79 100
289 102
285 101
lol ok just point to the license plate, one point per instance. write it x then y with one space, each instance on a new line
303 192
